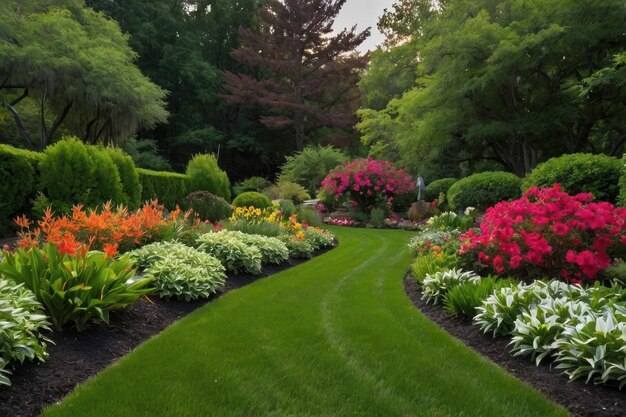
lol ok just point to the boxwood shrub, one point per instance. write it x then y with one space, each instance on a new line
209 206
252 199
577 173
437 187
483 190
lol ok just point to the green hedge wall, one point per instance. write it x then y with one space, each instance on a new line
19 173
168 187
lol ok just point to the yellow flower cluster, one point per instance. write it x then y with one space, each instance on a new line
255 215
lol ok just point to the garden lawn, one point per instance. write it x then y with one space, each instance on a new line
335 336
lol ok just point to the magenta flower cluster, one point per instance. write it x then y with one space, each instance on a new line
368 182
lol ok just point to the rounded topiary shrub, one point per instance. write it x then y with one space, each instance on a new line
435 188
252 199
579 173
205 175
483 190
209 206
131 189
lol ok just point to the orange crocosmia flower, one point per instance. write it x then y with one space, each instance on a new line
436 248
23 222
68 245
110 250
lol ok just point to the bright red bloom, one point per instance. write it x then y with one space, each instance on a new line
551 233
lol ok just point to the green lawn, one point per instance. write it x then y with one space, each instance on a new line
335 336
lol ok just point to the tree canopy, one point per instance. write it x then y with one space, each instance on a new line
71 70
503 82
306 78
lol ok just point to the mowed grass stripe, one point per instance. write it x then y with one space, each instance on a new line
335 336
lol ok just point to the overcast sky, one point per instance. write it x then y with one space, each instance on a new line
363 13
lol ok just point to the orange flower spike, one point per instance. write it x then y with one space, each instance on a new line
23 222
110 250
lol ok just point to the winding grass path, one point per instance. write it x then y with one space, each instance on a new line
335 336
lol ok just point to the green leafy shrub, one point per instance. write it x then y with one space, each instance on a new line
263 228
16 187
67 175
309 216
537 327
449 220
205 175
292 191
436 286
319 238
234 253
483 190
273 251
256 184
286 207
594 348
464 299
75 288
622 185
21 323
209 206
145 154
169 188
577 173
616 272
439 186
377 217
252 199
107 182
298 248
180 271
310 166
431 263
131 189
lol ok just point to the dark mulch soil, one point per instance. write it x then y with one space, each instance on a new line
584 400
74 356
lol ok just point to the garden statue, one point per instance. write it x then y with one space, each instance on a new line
421 209
421 189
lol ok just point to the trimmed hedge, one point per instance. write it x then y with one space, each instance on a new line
578 173
622 185
483 190
439 186
131 189
169 188
17 185
252 199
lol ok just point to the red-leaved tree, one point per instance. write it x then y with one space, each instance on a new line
306 76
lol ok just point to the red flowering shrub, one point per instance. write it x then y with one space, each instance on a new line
549 232
367 182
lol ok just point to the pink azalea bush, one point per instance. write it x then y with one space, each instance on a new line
367 182
548 232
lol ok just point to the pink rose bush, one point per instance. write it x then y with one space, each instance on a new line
367 182
548 232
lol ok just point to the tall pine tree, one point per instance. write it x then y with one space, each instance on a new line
306 77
